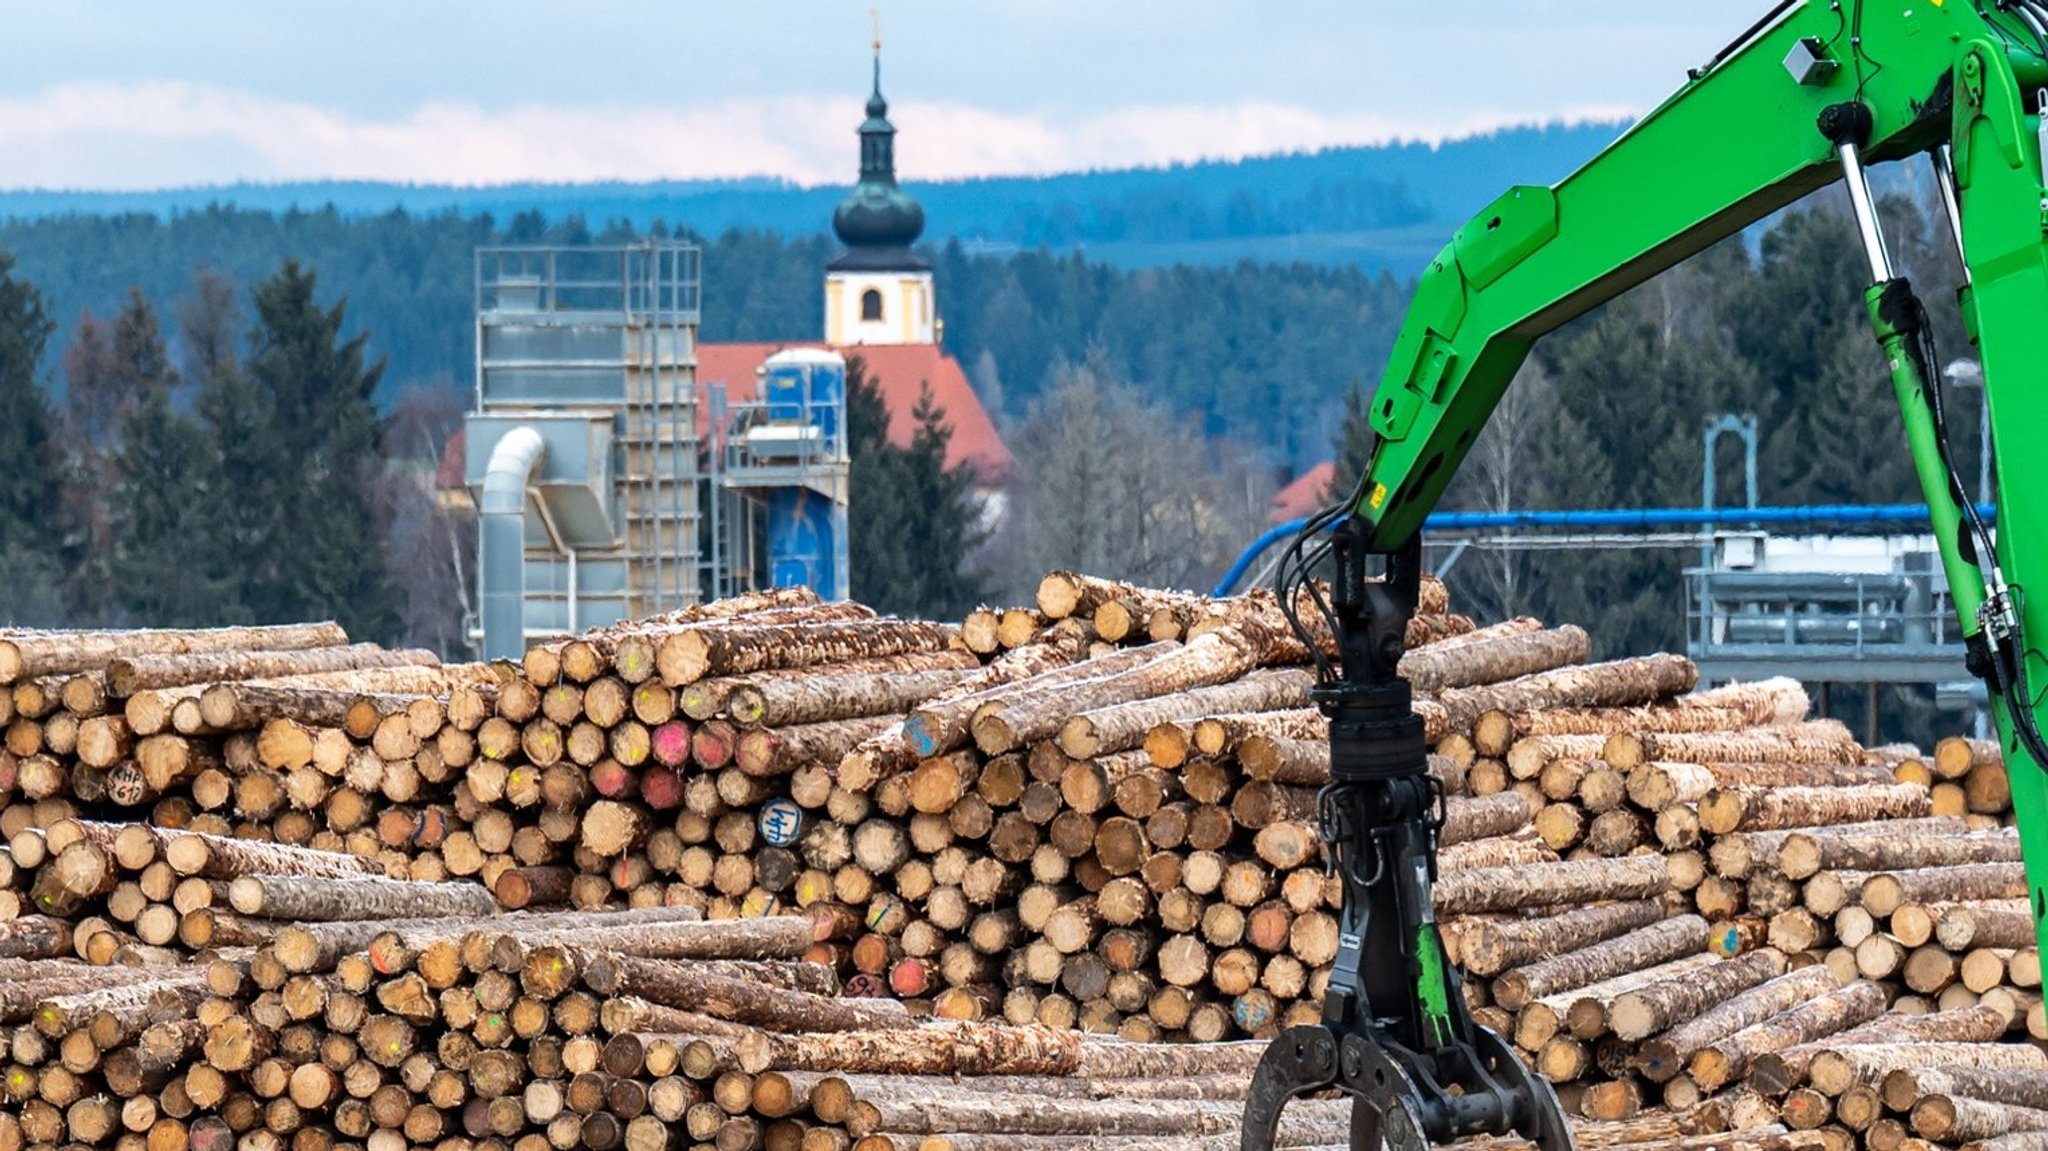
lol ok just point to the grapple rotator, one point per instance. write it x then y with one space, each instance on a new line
1395 1034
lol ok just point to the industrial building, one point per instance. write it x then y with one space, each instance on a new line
622 469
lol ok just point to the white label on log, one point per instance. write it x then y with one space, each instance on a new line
781 819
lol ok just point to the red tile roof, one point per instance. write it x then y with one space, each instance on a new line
901 370
1304 497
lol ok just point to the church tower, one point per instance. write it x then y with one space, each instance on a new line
879 292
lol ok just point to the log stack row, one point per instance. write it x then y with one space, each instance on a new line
417 768
1062 817
643 1029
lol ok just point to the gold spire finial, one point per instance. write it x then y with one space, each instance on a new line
875 16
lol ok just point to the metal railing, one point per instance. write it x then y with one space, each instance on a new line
1863 615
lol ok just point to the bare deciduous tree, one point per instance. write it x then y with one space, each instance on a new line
429 538
1503 473
1121 487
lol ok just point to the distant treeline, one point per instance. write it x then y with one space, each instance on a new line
1175 212
1261 354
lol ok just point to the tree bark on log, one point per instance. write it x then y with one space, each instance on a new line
1725 1060
774 937
329 898
1840 1068
2022 1088
1257 616
1438 667
1821 744
1662 1058
1108 1123
1489 947
1802 855
34 937
1123 727
223 857
1638 949
744 648
887 685
28 654
1676 716
767 752
691 987
941 726
325 700
19 994
1469 818
1885 892
950 1048
1737 855
1956 1119
1780 699
890 752
1544 885
1758 809
130 674
1962 926
1864 1055
1549 1017
627 649
144 1002
1641 1014
1212 658
1617 683
307 947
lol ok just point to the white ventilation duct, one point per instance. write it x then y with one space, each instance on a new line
502 516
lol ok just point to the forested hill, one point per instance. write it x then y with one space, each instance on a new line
1259 353
1384 207
1248 295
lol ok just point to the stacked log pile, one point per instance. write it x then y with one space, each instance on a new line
291 735
1098 815
641 1029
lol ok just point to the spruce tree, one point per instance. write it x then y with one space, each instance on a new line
111 370
164 568
30 569
946 529
1354 443
912 521
312 464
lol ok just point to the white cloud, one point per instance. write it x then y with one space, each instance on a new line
152 135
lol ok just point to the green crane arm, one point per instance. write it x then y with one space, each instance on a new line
1744 137
1803 99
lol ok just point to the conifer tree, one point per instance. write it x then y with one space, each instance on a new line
164 569
1354 443
912 521
30 570
111 370
299 442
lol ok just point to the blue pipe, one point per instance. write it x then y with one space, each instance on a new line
1838 515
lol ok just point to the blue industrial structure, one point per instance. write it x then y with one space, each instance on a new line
1867 517
787 450
1829 594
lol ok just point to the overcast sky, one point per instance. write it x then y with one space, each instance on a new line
143 93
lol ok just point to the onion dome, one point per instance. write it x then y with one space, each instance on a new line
878 221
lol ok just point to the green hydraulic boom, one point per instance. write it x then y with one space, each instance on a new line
1810 95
